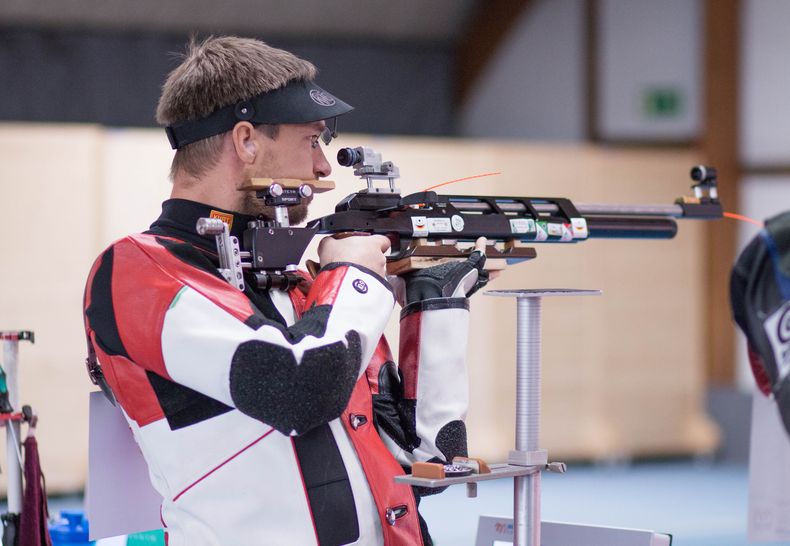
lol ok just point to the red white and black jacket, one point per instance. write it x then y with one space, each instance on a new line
272 417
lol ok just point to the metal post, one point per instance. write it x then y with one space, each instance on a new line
13 445
526 505
526 488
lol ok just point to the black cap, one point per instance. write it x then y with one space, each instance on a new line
298 101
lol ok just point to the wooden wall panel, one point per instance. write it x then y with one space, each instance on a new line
51 195
721 149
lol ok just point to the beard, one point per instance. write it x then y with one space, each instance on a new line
253 205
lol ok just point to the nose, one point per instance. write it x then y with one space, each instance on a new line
321 167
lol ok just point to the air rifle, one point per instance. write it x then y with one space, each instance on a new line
426 228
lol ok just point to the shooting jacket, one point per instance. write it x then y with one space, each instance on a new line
271 417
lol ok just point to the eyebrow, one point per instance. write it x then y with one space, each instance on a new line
316 125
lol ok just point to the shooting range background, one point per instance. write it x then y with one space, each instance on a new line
564 72
623 373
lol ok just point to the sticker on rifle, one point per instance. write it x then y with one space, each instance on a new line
567 234
224 216
360 286
419 226
579 227
522 225
541 234
458 223
439 225
554 230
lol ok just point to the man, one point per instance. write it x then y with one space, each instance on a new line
255 410
760 300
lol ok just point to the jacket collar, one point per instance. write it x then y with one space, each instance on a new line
179 218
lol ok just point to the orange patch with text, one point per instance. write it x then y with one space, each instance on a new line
224 216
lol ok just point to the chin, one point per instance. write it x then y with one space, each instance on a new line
297 213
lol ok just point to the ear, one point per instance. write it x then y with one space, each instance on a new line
246 141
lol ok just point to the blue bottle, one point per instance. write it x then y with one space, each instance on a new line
71 530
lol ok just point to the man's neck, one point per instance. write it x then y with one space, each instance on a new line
216 188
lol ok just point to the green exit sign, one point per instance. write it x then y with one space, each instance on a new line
662 102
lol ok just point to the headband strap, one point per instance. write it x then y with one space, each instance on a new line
298 101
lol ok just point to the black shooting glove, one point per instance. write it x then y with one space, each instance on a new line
450 280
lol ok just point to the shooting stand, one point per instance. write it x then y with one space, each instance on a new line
527 461
11 418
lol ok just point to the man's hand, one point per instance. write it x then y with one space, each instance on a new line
367 251
454 279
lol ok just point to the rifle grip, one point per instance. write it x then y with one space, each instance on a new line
314 267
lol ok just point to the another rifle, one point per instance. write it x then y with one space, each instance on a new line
426 228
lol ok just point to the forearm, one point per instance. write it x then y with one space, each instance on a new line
433 359
431 401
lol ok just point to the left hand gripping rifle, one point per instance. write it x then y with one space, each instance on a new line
426 228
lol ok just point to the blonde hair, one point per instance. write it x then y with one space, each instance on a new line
215 73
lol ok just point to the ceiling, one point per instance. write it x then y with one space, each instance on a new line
388 20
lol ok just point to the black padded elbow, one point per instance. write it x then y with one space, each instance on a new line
267 384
